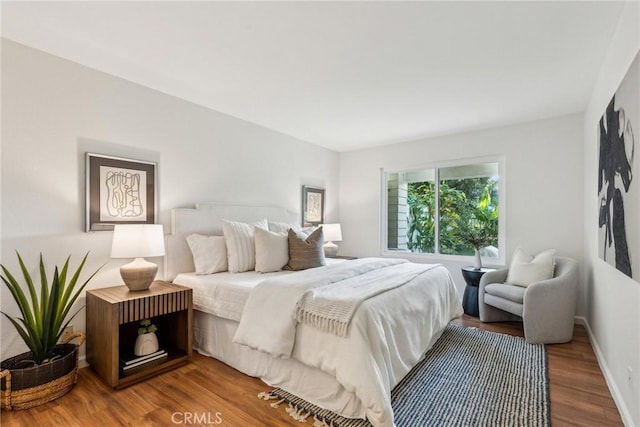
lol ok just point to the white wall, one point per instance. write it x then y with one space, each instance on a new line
54 110
543 177
613 311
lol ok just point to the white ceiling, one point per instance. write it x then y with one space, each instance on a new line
343 75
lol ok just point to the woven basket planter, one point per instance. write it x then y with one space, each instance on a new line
24 388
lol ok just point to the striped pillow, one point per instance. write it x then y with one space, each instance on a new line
241 252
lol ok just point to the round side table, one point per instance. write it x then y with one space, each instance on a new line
472 277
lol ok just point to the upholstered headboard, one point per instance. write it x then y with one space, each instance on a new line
206 218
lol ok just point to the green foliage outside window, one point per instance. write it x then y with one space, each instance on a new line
421 229
468 215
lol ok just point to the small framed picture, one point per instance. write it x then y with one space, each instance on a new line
312 206
119 191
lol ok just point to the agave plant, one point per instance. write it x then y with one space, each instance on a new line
43 318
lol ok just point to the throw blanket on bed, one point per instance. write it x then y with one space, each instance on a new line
268 320
388 334
331 307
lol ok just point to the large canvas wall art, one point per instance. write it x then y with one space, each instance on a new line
619 177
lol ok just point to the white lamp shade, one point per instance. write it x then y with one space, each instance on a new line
137 241
332 232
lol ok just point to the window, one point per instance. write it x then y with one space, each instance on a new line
448 210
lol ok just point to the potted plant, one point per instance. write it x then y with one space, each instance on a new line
49 369
478 238
147 341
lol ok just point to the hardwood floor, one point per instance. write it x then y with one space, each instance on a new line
208 392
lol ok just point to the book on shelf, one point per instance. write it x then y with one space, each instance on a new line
136 361
131 358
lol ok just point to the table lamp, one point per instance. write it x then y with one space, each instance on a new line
332 233
138 241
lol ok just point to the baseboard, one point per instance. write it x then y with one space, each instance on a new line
82 362
613 388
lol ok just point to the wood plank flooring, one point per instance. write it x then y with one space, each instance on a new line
208 392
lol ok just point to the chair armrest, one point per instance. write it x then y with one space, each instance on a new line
549 291
487 312
497 276
549 307
565 283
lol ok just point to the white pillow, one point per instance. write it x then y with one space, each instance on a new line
307 230
283 227
525 270
241 253
209 253
272 250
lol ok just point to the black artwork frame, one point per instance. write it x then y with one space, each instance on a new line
119 191
312 206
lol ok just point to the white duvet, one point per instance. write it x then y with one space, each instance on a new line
388 334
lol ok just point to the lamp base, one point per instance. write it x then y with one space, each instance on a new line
330 249
138 274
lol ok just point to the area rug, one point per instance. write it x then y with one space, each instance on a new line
469 378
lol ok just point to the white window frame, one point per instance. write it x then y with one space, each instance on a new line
427 257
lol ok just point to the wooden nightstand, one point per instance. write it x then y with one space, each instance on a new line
113 318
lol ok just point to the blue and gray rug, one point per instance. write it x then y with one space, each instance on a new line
469 378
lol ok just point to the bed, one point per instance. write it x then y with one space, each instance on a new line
246 320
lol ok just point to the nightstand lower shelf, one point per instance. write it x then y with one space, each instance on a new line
151 369
113 317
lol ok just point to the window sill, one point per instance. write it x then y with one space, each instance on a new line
440 258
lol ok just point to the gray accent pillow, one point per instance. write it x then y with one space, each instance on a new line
305 251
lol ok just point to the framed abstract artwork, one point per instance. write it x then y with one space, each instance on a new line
312 206
119 191
618 181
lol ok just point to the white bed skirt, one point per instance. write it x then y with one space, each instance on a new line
213 337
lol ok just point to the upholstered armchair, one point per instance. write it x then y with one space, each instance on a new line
546 308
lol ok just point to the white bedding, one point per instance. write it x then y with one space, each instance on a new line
388 333
352 376
225 294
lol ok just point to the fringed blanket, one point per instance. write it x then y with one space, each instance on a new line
268 320
331 307
387 334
